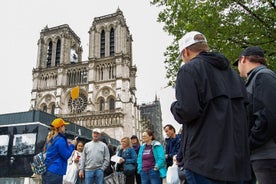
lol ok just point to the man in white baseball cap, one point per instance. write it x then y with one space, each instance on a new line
189 39
95 159
211 106
97 130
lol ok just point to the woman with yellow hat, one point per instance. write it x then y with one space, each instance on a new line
57 153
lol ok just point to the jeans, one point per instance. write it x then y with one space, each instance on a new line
194 178
265 171
51 178
150 177
96 176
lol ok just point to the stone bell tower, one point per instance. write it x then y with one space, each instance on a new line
107 98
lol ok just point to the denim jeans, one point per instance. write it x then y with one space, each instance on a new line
96 176
150 177
51 178
265 171
194 178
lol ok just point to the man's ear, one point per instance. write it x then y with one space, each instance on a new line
243 59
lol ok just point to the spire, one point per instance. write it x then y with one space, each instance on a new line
118 9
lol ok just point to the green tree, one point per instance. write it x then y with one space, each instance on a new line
229 25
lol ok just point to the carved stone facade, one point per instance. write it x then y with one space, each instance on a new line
107 98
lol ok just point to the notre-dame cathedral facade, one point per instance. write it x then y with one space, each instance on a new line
107 98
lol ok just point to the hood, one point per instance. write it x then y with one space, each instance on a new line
216 59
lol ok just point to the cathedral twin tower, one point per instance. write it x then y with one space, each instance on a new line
106 80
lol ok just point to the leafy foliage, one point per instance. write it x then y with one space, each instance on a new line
229 25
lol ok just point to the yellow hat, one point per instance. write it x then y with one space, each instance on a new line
58 122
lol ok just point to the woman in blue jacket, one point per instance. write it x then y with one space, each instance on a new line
57 153
129 156
151 160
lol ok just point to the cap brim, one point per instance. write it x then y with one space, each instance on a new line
236 62
66 123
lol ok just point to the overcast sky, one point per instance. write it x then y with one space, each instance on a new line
22 21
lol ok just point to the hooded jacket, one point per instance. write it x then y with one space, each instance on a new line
211 105
159 157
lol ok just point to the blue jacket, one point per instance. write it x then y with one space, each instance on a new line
129 155
57 153
159 157
172 147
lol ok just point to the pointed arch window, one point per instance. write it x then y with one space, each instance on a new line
111 44
53 109
102 43
111 104
44 108
101 73
102 105
49 54
57 60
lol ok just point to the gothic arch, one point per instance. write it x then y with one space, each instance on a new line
58 51
105 92
49 51
46 100
111 103
102 43
111 25
43 107
101 103
52 107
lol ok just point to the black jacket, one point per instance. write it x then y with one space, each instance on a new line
211 105
261 87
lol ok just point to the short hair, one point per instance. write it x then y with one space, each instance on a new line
170 127
257 59
199 47
150 133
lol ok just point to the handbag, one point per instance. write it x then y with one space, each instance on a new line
172 175
71 175
129 168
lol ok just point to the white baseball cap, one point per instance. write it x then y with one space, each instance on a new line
97 130
189 39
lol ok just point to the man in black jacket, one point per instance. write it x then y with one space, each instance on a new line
261 88
211 105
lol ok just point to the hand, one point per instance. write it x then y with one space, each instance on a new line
174 160
121 160
81 174
74 142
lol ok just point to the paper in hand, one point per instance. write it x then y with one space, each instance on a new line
115 158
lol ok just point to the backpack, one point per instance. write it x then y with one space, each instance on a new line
38 165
